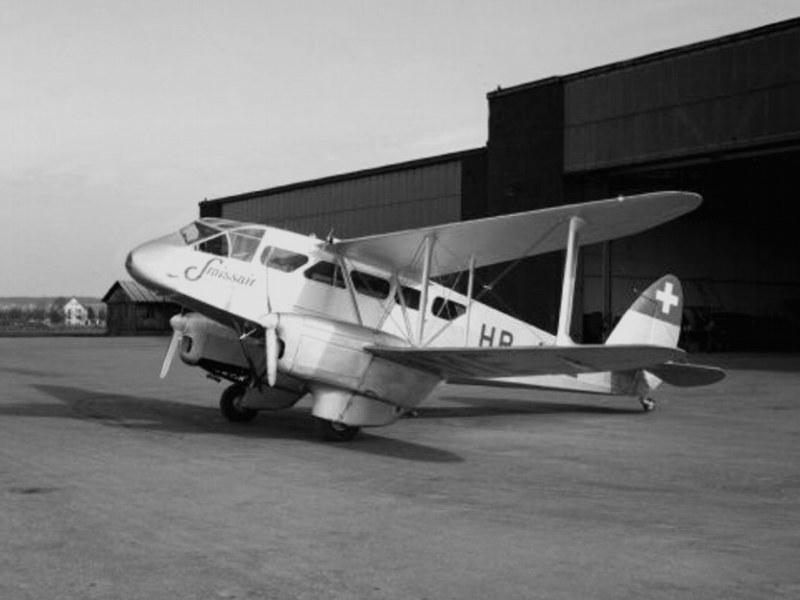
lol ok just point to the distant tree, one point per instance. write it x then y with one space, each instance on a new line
58 303
15 314
101 314
90 314
39 312
56 318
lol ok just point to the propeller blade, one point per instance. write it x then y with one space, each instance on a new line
270 324
272 356
266 282
173 346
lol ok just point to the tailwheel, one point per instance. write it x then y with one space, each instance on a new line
647 403
231 407
337 432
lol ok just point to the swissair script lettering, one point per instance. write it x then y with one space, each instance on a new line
194 273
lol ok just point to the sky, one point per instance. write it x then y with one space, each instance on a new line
117 118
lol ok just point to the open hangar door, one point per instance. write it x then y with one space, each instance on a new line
738 255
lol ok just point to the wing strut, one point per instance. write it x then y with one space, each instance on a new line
348 282
426 277
568 284
470 286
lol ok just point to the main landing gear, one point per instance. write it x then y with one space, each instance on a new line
231 407
337 432
648 404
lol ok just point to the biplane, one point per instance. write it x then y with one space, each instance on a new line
367 329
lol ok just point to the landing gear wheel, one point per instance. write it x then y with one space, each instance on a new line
647 403
337 432
230 405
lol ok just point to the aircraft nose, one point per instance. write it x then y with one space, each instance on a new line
149 263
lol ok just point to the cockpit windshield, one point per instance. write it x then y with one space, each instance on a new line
197 231
224 238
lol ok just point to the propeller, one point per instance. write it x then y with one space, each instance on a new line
178 324
270 323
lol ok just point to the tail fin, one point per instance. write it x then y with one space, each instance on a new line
654 318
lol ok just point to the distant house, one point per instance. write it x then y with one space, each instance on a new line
75 314
135 310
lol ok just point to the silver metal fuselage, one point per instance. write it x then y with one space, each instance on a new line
325 328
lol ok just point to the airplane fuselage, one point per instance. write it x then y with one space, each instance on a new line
330 310
364 327
222 285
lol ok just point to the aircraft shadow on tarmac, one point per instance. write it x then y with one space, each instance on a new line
167 416
480 407
27 372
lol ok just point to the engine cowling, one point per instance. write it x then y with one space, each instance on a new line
349 384
206 343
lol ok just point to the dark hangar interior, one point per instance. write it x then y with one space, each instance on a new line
719 117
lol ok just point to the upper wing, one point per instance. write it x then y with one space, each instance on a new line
457 363
507 237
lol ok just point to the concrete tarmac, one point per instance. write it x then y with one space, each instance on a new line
114 484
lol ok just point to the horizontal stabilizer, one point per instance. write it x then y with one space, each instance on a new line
687 375
471 363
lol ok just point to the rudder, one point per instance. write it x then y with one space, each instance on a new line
654 318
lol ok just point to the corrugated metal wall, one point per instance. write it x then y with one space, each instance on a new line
742 92
375 203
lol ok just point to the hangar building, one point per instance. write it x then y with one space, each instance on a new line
720 117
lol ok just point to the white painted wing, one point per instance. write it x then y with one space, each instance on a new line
508 237
472 363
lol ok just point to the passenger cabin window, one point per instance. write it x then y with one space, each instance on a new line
410 296
326 272
447 309
369 285
283 260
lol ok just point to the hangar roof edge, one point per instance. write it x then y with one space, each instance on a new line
401 166
653 56
136 292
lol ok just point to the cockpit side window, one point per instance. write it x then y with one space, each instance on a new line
216 245
283 260
244 243
206 238
326 272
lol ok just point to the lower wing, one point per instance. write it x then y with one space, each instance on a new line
454 364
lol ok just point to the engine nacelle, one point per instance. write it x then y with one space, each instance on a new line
348 384
207 343
330 355
355 410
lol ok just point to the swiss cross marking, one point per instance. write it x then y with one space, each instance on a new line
667 298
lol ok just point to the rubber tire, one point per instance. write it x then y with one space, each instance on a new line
229 405
337 432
